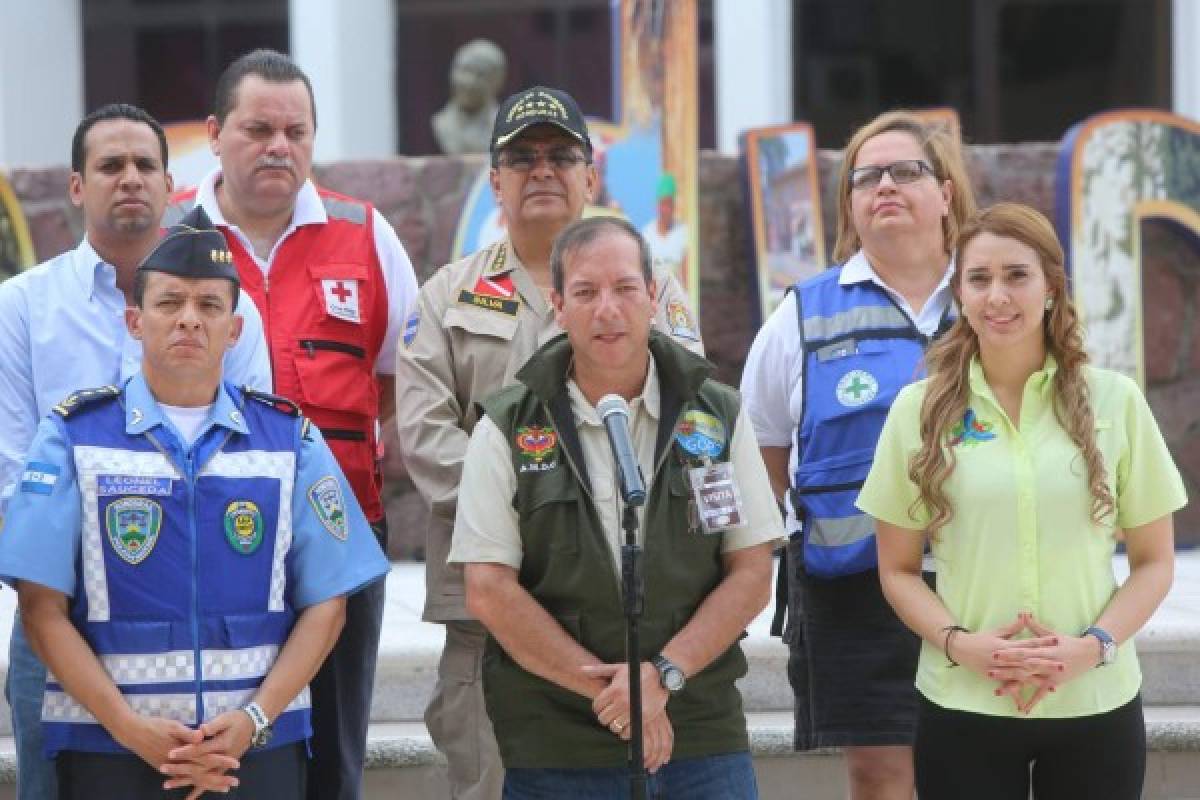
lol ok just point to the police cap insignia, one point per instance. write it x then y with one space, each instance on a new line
536 106
193 249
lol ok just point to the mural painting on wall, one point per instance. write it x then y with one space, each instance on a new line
16 248
780 168
1116 170
647 156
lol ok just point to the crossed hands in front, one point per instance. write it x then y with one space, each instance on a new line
199 758
612 710
1025 669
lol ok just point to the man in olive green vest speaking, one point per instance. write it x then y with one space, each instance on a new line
538 530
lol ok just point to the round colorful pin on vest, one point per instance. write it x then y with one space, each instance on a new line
700 434
243 526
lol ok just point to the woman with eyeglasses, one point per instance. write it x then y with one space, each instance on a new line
817 386
1019 464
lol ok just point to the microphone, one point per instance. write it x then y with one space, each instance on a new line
614 411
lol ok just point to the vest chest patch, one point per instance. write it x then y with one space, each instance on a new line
537 448
857 387
243 526
341 298
133 525
702 435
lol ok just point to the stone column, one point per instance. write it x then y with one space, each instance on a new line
1185 58
348 51
753 66
41 56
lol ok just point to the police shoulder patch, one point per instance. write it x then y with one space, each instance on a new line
276 402
85 397
325 496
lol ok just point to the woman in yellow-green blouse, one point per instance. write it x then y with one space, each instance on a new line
1019 464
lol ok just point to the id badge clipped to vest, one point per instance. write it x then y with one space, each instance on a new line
716 497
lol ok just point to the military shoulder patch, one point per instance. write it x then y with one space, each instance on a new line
85 397
276 402
679 319
325 496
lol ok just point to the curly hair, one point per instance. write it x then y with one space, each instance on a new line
948 364
941 147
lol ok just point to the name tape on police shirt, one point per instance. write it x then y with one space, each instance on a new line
717 497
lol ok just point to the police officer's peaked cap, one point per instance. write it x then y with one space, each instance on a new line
538 106
193 249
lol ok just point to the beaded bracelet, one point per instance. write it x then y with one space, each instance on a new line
949 632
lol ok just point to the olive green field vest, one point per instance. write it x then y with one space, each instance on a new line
568 567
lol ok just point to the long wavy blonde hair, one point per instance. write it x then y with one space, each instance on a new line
948 364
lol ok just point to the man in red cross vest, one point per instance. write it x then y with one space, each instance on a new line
334 287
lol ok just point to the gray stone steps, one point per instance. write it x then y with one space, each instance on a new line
402 762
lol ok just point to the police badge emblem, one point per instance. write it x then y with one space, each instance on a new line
326 498
243 526
133 524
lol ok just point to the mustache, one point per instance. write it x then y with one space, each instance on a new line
274 162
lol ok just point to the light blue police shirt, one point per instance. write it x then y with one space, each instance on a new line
62 328
41 536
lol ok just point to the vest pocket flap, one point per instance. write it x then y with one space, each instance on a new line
253 630
132 638
540 489
481 323
839 473
333 375
336 269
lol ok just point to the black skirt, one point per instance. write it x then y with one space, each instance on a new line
852 662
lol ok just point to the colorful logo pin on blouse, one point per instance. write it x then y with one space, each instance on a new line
971 431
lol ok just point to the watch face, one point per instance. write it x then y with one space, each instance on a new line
673 679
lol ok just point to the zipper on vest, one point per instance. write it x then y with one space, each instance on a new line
311 346
191 488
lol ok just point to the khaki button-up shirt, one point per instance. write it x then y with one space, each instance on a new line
478 320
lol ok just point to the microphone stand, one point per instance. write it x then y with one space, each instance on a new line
631 583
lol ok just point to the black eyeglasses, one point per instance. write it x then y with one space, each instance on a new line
906 171
524 160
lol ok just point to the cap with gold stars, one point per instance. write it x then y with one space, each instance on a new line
538 106
193 249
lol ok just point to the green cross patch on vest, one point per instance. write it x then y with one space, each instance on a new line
132 525
243 526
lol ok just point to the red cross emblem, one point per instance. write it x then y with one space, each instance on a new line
343 294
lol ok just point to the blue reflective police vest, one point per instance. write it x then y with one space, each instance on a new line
182 588
860 350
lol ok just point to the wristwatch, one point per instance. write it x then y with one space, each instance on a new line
1108 648
262 726
671 676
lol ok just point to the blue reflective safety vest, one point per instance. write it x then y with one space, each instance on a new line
182 588
860 350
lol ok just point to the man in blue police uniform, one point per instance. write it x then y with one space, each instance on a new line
182 549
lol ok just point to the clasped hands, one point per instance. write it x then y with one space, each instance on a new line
1025 669
612 710
200 758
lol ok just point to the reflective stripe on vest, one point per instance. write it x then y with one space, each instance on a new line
58 706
